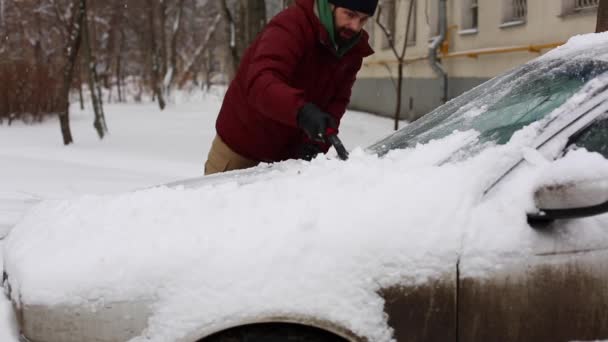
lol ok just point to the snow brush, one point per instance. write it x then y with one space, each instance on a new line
332 137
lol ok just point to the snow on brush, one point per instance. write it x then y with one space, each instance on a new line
317 239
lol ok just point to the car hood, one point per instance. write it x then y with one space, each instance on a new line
316 239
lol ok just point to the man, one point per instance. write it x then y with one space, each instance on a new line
293 84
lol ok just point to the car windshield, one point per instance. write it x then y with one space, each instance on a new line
501 106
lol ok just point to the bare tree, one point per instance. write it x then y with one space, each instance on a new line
400 56
71 53
162 17
602 17
175 30
196 59
242 24
96 99
229 47
251 20
155 55
136 46
119 71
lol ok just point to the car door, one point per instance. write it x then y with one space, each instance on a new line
559 291
503 304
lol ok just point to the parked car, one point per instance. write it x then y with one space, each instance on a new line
485 220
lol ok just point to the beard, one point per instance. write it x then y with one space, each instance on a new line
344 35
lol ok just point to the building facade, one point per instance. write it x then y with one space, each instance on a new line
484 38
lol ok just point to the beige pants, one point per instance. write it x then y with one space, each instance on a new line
222 158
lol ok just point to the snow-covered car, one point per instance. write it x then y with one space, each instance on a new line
482 221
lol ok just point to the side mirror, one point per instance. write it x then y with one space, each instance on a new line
570 200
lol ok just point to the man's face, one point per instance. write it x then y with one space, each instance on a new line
348 23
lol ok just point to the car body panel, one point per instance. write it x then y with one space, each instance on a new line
550 297
423 313
125 320
95 322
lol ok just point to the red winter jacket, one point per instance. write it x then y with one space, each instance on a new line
291 62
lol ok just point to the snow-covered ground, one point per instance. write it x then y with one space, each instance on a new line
145 147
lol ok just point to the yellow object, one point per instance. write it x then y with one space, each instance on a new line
536 48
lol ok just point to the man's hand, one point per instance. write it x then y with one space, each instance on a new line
314 122
308 151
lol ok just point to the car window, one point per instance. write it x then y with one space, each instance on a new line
501 106
594 138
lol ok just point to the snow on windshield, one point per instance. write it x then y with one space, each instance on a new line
317 242
503 106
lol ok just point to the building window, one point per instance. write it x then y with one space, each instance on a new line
431 14
470 17
579 6
388 19
411 39
515 11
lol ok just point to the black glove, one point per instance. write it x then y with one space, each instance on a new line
308 151
314 122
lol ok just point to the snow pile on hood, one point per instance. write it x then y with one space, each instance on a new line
318 242
582 46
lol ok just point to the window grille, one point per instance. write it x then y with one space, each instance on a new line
474 14
585 4
519 10
470 19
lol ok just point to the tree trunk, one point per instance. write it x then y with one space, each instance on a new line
240 34
399 86
162 12
229 47
80 96
252 18
112 47
100 122
155 55
72 48
602 17
119 73
172 69
118 76
208 69
399 56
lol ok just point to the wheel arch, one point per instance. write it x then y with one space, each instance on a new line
296 323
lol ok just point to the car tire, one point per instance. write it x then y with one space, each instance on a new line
274 333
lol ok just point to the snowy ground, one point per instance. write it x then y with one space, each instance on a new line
145 147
